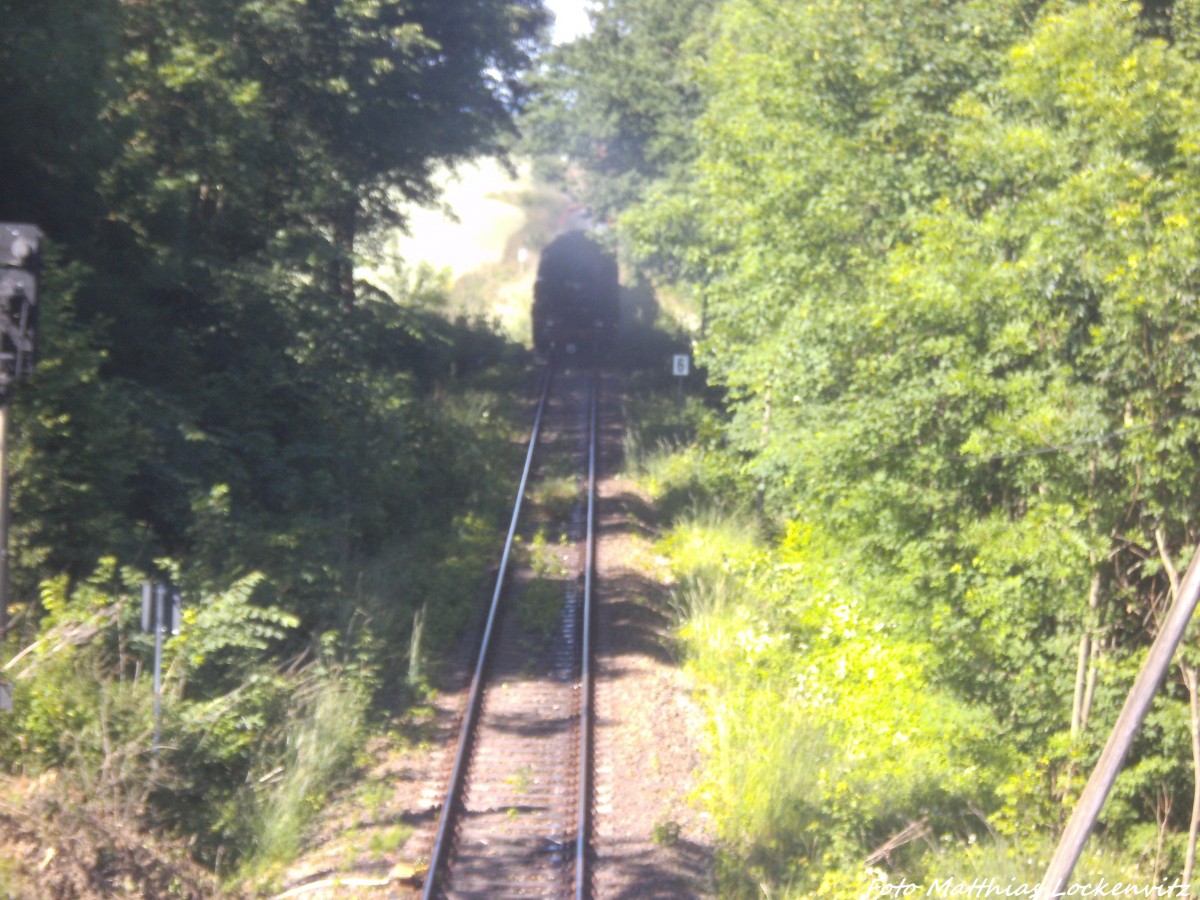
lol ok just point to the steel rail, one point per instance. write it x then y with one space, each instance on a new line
470 716
585 672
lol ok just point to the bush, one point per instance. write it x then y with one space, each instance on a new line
826 733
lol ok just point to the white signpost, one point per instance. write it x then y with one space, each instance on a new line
681 364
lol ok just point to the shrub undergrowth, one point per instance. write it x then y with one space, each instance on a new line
275 679
838 764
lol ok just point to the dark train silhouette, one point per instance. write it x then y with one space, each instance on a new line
576 298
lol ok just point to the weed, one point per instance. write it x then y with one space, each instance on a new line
389 840
521 780
559 466
372 796
321 742
707 544
414 648
540 606
547 560
666 834
349 853
556 497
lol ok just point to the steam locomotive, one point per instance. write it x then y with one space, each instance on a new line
575 298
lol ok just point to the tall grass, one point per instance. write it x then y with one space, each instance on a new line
415 669
762 799
323 736
764 760
825 735
765 768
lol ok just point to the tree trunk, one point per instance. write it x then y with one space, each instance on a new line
1089 692
1085 666
1081 672
764 436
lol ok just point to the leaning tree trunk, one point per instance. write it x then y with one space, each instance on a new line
1085 666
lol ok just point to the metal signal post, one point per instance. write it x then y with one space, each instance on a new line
19 267
162 611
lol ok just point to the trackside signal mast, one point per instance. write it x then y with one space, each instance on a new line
20 265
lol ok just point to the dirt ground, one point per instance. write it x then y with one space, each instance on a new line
652 840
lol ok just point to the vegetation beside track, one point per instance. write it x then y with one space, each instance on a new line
942 258
218 401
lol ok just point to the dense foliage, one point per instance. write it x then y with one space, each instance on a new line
619 102
219 401
947 253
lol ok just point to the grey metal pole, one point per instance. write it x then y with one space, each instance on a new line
4 517
160 591
1137 704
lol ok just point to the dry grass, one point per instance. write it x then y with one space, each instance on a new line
59 841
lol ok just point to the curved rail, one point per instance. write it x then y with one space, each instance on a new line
470 716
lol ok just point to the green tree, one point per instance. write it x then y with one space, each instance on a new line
947 256
213 389
619 102
215 155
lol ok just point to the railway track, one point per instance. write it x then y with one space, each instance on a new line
515 819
